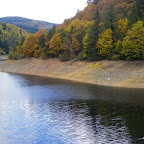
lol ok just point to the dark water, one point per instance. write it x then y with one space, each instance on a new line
35 110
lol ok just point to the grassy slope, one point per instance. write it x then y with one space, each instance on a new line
109 73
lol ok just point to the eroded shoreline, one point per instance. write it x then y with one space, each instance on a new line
128 74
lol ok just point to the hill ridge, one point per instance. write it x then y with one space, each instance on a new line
30 25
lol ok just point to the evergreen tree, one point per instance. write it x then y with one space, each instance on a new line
42 41
21 41
125 13
95 1
134 16
137 12
92 52
110 18
4 26
51 34
140 8
1 43
6 47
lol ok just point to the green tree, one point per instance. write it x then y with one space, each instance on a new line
6 47
51 34
1 43
140 8
110 18
134 16
4 26
133 43
93 34
137 12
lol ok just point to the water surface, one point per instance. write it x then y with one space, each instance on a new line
37 110
1 62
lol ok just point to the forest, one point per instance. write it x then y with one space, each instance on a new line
105 29
10 36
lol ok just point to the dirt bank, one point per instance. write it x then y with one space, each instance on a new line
110 73
3 57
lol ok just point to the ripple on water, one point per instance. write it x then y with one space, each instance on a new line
40 110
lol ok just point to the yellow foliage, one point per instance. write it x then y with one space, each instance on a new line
104 43
55 44
30 45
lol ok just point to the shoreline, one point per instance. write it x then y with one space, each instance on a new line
126 74
3 57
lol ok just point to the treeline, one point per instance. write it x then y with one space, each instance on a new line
113 36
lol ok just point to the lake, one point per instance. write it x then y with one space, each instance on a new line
1 62
38 110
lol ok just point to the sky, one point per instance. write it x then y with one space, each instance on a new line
54 11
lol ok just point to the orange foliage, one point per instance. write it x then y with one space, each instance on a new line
29 45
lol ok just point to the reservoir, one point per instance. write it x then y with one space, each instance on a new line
39 110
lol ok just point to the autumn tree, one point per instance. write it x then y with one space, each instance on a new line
133 44
85 45
75 46
30 44
55 44
104 43
117 51
122 28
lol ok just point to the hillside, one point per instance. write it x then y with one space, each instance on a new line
10 35
120 6
105 29
29 25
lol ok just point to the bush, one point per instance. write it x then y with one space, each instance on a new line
64 57
44 56
80 56
21 56
16 56
116 57
10 56
2 52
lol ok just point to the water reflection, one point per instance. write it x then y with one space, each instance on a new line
40 110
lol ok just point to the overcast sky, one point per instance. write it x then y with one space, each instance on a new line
55 11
